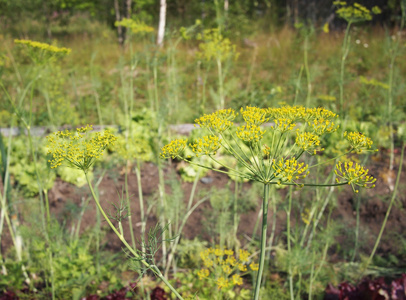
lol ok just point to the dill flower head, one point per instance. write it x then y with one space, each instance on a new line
174 149
356 12
78 149
283 125
217 122
208 145
224 265
134 26
293 113
358 141
42 52
308 142
203 273
322 126
354 174
319 113
289 170
373 82
216 47
254 115
250 133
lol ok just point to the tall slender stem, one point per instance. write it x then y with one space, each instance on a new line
265 202
289 245
221 89
127 196
307 70
345 50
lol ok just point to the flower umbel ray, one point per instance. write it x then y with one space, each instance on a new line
78 149
354 174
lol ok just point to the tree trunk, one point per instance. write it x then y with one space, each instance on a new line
295 11
118 19
128 4
162 20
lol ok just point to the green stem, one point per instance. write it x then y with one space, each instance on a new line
289 245
221 89
153 268
141 200
263 241
130 222
345 50
357 205
47 208
297 89
306 64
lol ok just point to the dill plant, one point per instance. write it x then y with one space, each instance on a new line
80 150
355 13
296 133
42 55
216 47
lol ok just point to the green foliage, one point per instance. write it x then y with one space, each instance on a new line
74 176
23 170
75 270
13 279
188 253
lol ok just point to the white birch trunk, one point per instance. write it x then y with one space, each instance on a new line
162 21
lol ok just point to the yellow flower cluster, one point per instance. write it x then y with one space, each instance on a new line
218 121
319 119
250 133
354 174
289 170
327 98
222 263
308 142
254 115
356 12
216 46
43 46
319 113
135 26
174 149
283 125
373 82
294 113
208 145
358 141
321 126
78 149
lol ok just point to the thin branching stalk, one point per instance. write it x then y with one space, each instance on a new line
127 197
307 70
141 200
344 53
288 212
252 67
95 92
221 83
